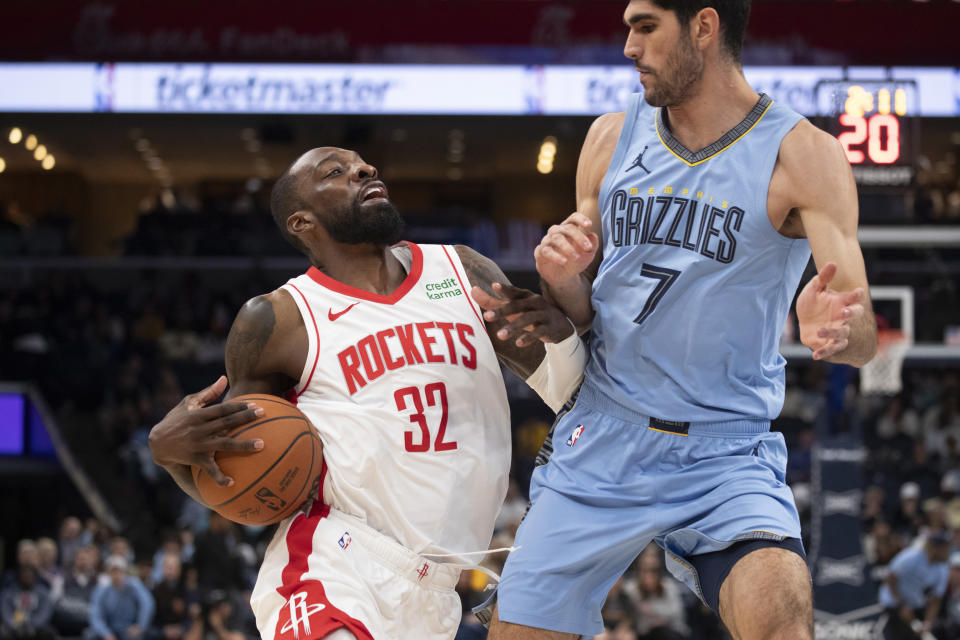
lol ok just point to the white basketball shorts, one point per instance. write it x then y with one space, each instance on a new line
325 570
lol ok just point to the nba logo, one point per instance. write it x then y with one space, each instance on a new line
572 440
345 540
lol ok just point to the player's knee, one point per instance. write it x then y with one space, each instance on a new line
768 596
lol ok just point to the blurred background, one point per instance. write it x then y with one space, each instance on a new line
138 146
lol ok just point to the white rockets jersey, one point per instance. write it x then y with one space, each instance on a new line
407 395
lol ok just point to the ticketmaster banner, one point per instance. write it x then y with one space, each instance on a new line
240 88
403 89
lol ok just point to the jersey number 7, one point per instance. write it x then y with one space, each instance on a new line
436 394
666 279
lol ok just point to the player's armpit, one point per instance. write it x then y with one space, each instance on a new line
267 346
835 322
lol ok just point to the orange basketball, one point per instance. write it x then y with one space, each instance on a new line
270 484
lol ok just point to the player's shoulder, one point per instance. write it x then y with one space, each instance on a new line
810 146
276 309
605 130
813 161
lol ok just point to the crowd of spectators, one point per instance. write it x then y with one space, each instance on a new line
90 584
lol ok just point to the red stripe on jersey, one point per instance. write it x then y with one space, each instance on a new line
316 331
413 276
465 290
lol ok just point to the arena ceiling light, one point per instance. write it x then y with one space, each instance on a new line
40 153
48 162
548 151
3 165
16 135
31 142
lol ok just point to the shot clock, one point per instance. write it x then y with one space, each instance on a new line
877 123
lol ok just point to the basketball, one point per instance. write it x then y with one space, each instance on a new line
270 484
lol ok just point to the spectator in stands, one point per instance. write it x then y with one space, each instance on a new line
47 566
71 612
172 618
27 556
120 546
26 608
121 609
657 600
881 544
915 586
908 519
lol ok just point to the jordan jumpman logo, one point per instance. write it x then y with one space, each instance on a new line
639 162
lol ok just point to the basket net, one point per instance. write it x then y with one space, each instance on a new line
882 374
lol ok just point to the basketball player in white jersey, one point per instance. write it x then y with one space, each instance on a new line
384 350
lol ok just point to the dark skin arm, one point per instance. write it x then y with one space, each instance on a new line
519 328
265 352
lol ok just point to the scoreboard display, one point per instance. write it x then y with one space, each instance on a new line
877 123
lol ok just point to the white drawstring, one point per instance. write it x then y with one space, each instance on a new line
469 565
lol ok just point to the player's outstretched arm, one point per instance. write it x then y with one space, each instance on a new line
834 312
569 255
263 351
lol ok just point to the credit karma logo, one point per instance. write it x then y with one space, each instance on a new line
193 89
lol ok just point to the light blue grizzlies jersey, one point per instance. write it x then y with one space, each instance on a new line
695 283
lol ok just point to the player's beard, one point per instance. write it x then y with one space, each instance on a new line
366 224
680 74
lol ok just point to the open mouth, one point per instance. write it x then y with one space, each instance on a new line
373 191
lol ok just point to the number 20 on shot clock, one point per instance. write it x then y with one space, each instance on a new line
876 122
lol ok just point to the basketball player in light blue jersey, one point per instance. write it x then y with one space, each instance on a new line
697 212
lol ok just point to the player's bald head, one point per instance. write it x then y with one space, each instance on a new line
285 197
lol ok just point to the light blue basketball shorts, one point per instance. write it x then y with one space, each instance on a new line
617 480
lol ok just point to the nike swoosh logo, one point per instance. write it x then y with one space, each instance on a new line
333 316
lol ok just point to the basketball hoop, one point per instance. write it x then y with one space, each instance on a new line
882 374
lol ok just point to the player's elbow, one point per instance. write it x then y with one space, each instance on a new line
866 351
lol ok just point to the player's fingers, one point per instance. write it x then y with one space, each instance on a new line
830 349
232 420
854 297
852 312
563 245
485 300
231 444
513 308
222 410
208 395
549 254
525 340
825 275
573 234
210 466
594 241
579 219
834 333
512 292
519 324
